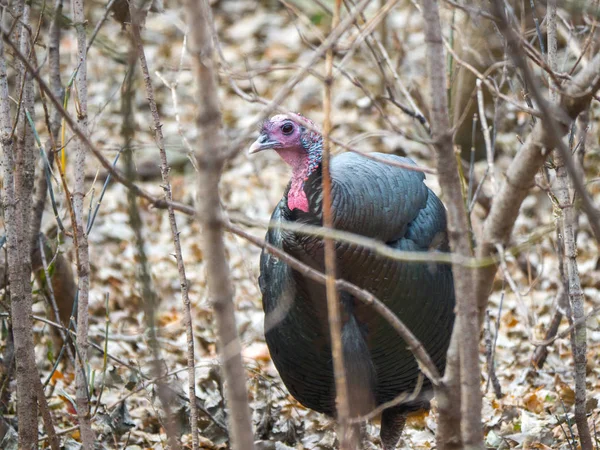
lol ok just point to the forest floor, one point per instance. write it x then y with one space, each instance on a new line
535 410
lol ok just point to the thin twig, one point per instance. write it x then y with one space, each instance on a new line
571 280
491 86
404 397
150 299
567 331
99 24
80 235
47 416
489 356
541 352
165 169
48 280
333 304
528 318
486 136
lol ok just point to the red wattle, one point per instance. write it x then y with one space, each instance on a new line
297 197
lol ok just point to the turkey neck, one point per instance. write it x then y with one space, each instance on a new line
312 188
307 248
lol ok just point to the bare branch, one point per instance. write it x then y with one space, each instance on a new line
19 169
458 228
47 416
486 135
568 223
149 297
376 246
567 331
80 235
333 304
404 397
520 174
576 297
555 123
107 10
210 164
82 135
164 170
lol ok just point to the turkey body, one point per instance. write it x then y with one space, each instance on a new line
386 203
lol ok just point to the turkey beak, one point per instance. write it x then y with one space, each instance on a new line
262 143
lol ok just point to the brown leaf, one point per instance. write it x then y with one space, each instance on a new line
566 393
533 403
417 419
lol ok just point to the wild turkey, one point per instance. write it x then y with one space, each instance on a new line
376 200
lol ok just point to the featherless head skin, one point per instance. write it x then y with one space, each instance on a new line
298 146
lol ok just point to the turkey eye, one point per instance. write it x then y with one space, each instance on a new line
287 128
